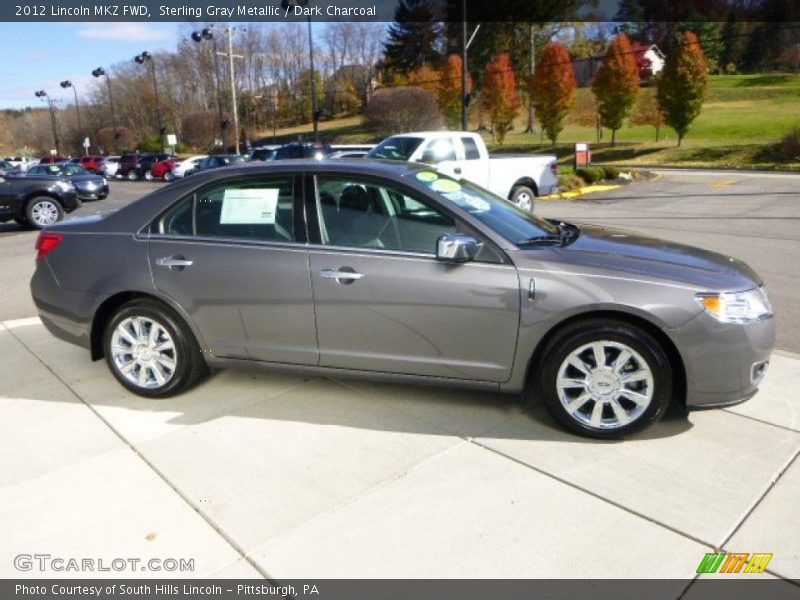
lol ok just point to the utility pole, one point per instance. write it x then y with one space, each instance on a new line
464 124
233 88
314 107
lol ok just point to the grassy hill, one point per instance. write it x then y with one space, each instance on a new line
743 119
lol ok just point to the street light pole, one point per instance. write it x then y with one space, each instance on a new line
141 59
207 34
68 84
99 72
43 94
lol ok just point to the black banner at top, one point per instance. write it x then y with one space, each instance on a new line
385 10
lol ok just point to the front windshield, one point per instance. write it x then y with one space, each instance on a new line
396 148
73 170
513 223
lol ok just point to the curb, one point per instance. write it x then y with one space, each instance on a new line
588 189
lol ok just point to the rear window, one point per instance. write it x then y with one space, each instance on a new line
470 149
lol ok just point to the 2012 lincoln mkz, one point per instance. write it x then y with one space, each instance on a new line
393 270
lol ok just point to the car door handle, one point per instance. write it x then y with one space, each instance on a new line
457 170
174 262
342 275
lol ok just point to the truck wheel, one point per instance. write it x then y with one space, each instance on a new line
523 197
43 211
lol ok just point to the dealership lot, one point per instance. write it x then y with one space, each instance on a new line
255 474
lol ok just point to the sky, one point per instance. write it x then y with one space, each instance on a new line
40 55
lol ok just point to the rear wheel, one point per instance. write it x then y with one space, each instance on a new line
605 378
148 175
523 197
133 175
151 351
43 211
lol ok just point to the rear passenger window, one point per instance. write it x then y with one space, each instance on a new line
259 210
470 149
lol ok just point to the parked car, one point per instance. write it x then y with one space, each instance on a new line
36 201
92 163
298 150
464 155
87 185
182 167
348 154
215 161
393 270
264 153
109 166
51 160
22 162
7 167
137 166
163 168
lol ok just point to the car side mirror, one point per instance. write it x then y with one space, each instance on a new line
457 248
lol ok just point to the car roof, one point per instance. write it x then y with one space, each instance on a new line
360 166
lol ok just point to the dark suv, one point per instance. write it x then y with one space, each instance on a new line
137 166
36 201
298 150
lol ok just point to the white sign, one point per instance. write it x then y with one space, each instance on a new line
249 207
86 143
172 139
53 151
581 147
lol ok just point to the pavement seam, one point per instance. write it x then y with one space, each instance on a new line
594 494
760 499
757 420
231 542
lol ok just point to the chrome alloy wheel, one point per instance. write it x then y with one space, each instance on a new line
524 200
605 385
44 212
144 352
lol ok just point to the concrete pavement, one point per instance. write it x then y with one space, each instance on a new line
283 476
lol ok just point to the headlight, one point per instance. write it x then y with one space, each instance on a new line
105 181
65 186
737 307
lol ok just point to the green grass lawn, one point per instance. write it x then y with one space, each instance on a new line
743 118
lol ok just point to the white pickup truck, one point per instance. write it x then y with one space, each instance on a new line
462 154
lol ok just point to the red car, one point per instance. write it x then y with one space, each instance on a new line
163 169
92 163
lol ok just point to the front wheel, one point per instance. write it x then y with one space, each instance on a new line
150 351
605 378
523 197
148 175
43 211
133 175
168 176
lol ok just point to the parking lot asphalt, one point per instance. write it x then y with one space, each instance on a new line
266 475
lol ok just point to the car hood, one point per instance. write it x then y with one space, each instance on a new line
85 179
621 252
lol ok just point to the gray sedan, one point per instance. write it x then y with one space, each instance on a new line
395 271
88 185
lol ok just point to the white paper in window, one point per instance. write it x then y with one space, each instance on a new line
249 206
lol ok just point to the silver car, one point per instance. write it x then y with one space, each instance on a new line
395 271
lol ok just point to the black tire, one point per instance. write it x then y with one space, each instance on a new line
190 365
524 197
42 211
616 333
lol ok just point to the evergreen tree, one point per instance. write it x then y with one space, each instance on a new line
683 84
414 38
552 88
616 84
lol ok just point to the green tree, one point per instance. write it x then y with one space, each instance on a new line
414 38
683 84
616 84
552 88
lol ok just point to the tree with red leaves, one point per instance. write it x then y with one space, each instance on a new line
499 95
616 84
552 88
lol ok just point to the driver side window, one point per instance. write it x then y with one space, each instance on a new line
363 214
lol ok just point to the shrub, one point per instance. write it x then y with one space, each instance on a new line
590 174
610 172
789 146
152 144
114 139
402 109
201 128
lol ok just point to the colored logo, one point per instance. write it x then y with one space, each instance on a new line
734 562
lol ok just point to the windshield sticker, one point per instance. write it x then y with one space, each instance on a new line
249 207
476 203
427 176
445 186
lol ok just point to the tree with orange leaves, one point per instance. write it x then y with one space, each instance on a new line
552 88
499 95
449 93
616 84
425 77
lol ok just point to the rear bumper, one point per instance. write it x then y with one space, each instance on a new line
724 362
